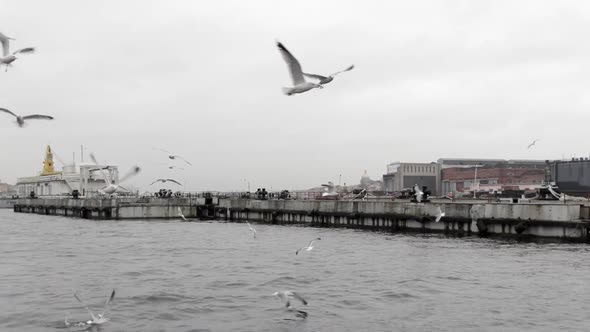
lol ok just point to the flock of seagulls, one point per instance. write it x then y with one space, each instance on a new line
286 295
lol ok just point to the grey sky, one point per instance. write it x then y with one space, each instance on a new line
203 79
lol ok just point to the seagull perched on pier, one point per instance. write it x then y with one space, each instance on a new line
7 58
309 246
20 120
100 318
172 156
166 180
180 214
299 83
439 214
531 145
327 79
286 296
251 229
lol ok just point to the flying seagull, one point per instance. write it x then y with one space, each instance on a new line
172 156
299 83
251 229
180 214
20 120
309 246
327 79
7 58
531 145
419 193
111 187
100 318
286 296
439 214
166 180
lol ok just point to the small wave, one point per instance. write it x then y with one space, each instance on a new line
160 298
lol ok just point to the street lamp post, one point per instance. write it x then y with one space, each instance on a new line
475 181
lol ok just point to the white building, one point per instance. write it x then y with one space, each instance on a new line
87 178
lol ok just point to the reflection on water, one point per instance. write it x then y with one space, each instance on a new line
175 276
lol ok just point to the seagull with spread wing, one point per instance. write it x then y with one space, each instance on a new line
20 120
286 297
111 187
172 156
531 145
100 318
309 246
299 83
327 79
180 214
439 214
7 59
166 180
251 229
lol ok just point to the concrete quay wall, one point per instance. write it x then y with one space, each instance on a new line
118 208
551 220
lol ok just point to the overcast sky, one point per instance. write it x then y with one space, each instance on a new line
202 79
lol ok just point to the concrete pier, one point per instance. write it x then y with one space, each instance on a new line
555 220
545 220
120 208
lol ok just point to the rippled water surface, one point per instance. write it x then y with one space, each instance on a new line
174 276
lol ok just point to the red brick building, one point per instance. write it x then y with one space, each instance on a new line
490 179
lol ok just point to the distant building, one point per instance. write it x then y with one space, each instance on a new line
87 178
402 175
5 188
370 185
490 175
572 177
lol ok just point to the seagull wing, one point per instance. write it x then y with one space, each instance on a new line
7 111
132 172
85 306
172 180
314 76
24 50
5 44
293 64
107 303
298 250
38 116
310 243
342 71
298 297
158 180
168 152
180 157
106 178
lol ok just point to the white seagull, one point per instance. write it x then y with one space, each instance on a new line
286 296
251 229
309 246
419 193
172 156
180 214
166 180
7 58
439 214
531 145
299 83
111 187
330 190
100 318
20 120
327 79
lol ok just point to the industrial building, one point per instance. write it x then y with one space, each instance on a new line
572 177
87 178
405 175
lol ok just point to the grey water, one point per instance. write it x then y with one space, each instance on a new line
201 276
